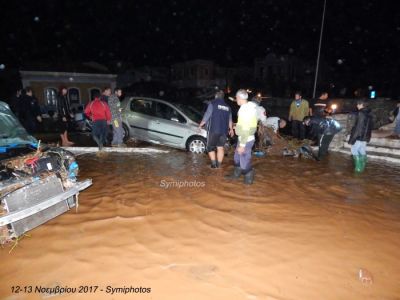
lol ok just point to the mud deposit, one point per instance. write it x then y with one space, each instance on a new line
167 222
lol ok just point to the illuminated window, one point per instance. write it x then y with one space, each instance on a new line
50 96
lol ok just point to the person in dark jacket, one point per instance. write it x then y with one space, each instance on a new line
116 118
218 118
15 103
64 116
321 106
361 135
30 114
323 130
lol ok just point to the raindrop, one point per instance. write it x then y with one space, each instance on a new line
340 61
291 50
2 66
36 19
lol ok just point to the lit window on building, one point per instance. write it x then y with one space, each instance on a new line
50 96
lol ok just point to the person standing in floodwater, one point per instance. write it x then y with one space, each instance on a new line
360 136
64 116
245 129
323 129
115 108
299 109
218 118
99 112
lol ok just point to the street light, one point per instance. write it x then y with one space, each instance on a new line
319 50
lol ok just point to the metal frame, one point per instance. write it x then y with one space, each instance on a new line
26 212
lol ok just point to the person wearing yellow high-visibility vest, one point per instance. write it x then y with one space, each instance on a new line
246 127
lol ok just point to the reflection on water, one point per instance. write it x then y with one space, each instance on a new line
169 222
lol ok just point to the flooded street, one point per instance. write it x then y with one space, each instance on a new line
169 223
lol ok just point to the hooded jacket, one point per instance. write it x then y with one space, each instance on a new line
98 110
362 128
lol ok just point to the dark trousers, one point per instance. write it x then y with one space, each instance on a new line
244 160
298 130
99 132
324 142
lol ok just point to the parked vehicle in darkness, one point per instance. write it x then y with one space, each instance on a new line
161 122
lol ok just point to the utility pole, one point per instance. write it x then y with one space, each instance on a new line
319 50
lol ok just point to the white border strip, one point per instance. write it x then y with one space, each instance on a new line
114 149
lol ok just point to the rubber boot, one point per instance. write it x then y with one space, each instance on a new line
357 163
249 177
237 172
363 162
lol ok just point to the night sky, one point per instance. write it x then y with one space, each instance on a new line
361 37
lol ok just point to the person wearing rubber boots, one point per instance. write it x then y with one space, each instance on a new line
245 129
360 136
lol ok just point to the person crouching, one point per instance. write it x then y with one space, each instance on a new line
323 130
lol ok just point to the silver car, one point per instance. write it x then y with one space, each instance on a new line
160 122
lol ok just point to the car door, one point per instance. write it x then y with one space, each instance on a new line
169 125
140 118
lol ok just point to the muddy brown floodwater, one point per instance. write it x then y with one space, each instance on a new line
304 230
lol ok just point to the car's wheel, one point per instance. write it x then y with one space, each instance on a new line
126 132
196 144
